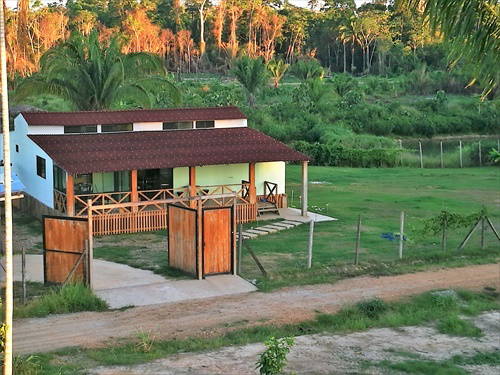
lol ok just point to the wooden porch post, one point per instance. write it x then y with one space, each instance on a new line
133 184
70 195
192 185
252 191
304 188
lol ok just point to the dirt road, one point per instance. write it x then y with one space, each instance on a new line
215 315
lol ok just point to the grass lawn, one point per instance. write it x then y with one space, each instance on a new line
378 195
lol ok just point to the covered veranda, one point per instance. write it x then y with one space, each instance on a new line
182 159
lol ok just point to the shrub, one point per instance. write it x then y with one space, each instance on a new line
453 325
273 360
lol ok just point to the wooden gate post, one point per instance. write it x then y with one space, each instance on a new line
199 234
90 254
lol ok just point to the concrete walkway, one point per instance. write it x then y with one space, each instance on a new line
121 285
290 218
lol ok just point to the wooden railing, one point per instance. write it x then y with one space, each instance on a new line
240 192
60 201
271 192
129 222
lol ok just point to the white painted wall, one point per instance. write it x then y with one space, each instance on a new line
237 123
43 129
273 171
24 164
148 126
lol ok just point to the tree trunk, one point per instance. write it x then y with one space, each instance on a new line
345 58
202 28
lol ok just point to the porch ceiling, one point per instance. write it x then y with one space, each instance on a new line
107 152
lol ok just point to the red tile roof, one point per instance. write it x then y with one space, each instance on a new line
128 116
106 152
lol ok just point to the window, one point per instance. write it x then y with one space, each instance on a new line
40 167
117 128
178 125
17 148
59 179
205 124
80 129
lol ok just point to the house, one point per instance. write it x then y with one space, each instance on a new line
134 161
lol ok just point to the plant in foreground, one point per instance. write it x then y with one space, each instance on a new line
273 360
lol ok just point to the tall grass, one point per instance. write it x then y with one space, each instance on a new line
68 299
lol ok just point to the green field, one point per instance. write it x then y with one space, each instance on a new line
378 195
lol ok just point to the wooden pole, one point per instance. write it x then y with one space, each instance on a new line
441 153
480 156
23 273
401 233
401 153
469 235
7 173
252 190
492 227
240 245
90 244
358 241
310 244
304 188
483 228
133 185
192 186
443 237
421 155
460 152
70 195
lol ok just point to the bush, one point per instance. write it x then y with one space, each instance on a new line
372 308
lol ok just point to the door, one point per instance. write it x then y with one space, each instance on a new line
218 241
65 256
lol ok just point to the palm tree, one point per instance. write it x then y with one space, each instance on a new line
277 68
252 74
93 76
307 69
473 28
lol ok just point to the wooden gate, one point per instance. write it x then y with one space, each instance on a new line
67 254
183 239
218 241
201 241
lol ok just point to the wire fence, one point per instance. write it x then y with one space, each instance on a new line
448 153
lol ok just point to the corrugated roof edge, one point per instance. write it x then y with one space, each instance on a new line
37 116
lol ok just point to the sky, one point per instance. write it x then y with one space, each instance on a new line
302 3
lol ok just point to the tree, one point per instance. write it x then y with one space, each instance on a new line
252 74
277 68
95 76
473 28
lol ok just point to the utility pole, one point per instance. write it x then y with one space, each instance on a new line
7 180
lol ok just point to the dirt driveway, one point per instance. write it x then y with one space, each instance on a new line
215 315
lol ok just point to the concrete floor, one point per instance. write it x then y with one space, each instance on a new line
121 285
294 214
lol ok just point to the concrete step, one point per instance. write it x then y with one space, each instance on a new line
267 229
249 235
292 222
284 225
256 231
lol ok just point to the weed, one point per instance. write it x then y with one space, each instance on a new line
146 341
372 308
423 367
273 360
68 299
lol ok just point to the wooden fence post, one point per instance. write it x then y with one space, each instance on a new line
480 156
401 233
441 153
401 153
310 244
421 155
23 272
358 241
460 153
443 237
483 228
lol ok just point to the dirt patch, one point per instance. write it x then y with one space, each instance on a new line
335 354
206 317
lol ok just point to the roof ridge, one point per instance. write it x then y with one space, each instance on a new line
131 110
